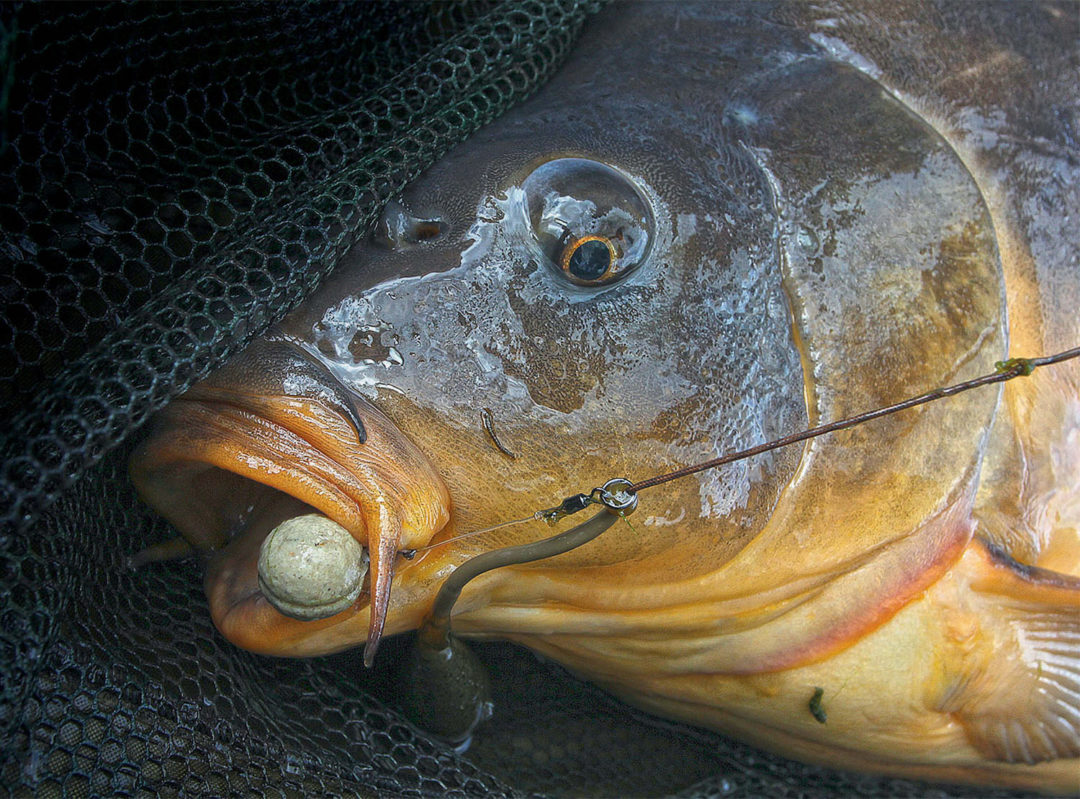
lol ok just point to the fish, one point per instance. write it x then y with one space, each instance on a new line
715 225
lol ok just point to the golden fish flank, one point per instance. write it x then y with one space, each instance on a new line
710 229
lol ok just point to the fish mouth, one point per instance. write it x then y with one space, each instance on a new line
272 436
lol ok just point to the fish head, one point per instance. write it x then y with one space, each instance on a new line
700 235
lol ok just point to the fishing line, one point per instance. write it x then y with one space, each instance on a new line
499 526
448 665
1003 371
572 504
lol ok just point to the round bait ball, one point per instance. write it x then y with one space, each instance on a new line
311 568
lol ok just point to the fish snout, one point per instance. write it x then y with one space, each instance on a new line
270 437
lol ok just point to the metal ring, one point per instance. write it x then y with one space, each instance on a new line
616 497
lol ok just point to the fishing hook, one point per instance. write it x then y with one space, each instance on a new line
448 692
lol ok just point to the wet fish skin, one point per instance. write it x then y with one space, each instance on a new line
840 222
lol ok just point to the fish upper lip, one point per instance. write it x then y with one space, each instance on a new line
220 430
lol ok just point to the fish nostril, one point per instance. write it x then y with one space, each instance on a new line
399 228
426 229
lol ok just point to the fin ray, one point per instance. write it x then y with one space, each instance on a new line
1017 692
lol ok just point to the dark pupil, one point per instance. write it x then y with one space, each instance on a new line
590 261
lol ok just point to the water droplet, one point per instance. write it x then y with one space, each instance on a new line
491 212
808 240
741 114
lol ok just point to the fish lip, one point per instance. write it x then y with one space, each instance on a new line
207 430
282 456
230 507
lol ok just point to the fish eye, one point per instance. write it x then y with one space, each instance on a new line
590 221
589 260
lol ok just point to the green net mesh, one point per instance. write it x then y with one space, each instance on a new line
173 179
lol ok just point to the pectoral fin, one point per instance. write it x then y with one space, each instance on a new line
1015 684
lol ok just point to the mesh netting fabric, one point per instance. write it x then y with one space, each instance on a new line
176 179
173 179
